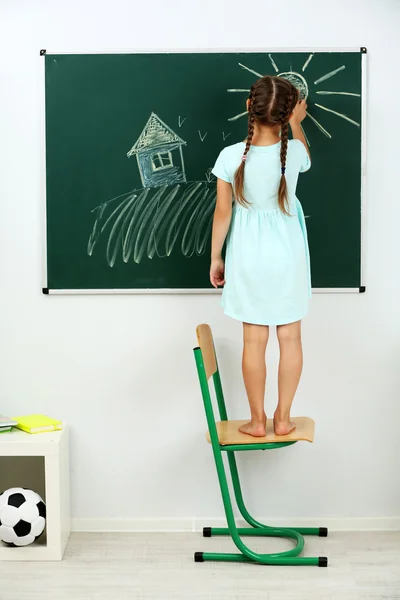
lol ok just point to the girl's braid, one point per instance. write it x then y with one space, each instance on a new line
250 129
285 132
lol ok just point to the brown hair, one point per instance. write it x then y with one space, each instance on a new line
271 103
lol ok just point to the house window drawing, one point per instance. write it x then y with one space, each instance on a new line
159 155
162 161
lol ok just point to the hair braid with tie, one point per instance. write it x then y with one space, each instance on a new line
271 103
282 192
239 174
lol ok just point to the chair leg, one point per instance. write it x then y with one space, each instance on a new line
290 557
318 531
264 559
265 530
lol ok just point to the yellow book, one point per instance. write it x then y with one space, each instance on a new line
37 423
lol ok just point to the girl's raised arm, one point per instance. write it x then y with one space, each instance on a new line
297 117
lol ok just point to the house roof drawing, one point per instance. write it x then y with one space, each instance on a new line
155 133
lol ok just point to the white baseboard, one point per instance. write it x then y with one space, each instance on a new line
195 524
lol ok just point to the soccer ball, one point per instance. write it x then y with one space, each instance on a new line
22 516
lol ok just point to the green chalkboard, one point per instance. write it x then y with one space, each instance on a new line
130 142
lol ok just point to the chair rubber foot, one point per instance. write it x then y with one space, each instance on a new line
322 561
198 557
323 532
206 531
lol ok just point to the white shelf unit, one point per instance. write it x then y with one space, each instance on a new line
39 462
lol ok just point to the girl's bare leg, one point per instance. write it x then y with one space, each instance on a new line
255 338
290 367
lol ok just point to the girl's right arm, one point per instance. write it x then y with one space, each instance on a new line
299 114
221 224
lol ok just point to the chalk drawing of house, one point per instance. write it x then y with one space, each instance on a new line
159 154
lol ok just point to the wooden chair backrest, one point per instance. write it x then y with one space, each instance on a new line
206 343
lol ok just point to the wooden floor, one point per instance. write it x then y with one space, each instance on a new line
363 566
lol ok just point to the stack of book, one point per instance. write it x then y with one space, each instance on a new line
30 423
37 423
6 424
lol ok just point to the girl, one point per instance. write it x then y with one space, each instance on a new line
267 276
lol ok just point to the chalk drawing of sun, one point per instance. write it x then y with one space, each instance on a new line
300 82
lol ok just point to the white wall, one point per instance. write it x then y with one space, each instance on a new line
120 371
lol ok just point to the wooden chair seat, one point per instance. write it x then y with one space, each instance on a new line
228 433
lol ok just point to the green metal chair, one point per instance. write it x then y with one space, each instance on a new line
225 437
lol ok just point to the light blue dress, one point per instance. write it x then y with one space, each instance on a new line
267 265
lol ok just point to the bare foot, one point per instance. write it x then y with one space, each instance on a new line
255 428
283 427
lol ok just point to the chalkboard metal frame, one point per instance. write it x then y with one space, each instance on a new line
363 161
42 170
173 291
